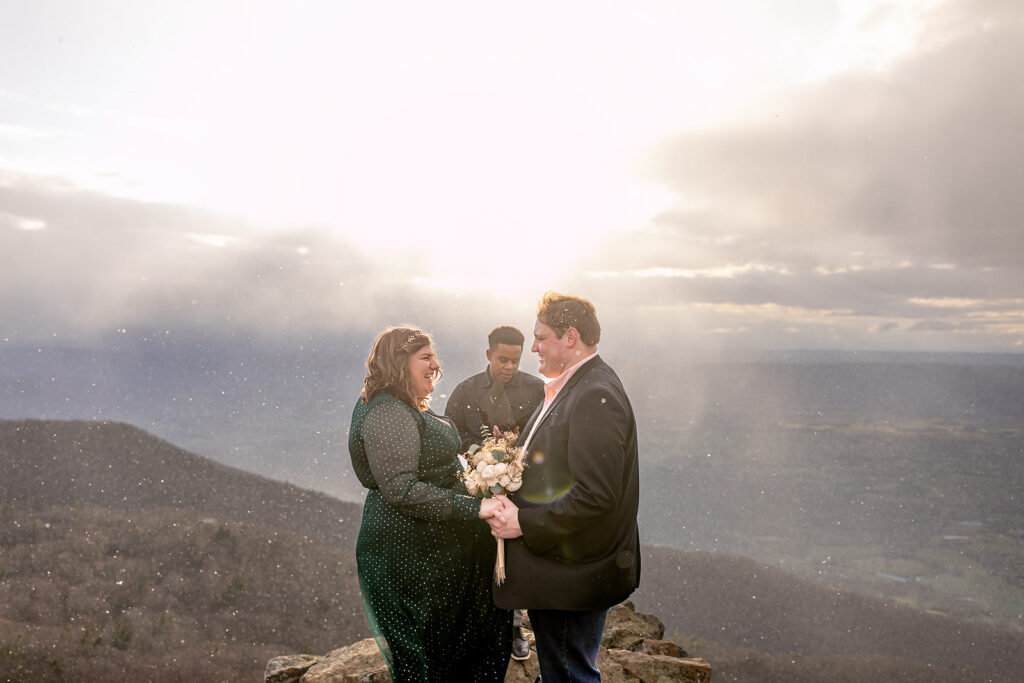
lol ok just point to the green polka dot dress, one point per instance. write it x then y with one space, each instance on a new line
425 559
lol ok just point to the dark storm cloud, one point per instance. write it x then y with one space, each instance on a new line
923 160
870 196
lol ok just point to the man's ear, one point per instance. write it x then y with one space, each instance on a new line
572 336
488 354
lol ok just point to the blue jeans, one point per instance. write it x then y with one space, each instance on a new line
567 644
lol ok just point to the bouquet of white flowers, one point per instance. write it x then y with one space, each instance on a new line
493 467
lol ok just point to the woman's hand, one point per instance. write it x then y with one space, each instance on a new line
490 507
505 522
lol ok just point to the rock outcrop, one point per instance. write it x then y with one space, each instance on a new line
633 649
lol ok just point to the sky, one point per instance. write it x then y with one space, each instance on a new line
760 174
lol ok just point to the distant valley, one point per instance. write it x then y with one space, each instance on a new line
283 412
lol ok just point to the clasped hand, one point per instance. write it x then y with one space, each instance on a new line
502 515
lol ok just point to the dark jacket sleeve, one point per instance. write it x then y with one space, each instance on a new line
597 438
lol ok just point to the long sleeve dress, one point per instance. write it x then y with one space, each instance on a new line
425 560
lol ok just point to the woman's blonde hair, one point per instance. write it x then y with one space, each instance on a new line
387 368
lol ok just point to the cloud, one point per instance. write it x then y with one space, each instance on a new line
962 303
920 161
882 200
105 265
211 239
15 132
727 271
941 326
892 195
10 220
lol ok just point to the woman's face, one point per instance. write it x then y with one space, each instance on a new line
423 367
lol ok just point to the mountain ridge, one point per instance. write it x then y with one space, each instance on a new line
57 462
741 610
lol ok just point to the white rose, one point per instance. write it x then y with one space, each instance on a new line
501 468
504 480
514 485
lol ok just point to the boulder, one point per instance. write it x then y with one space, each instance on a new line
289 668
357 663
632 651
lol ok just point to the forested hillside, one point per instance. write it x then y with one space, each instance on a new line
122 556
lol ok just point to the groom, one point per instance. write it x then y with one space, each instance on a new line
573 547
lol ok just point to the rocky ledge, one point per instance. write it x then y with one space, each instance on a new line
632 649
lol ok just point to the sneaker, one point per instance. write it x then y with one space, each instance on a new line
520 648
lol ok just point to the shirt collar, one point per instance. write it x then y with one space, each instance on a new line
556 384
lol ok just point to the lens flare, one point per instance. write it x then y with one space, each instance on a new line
547 495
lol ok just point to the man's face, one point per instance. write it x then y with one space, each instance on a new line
554 353
504 361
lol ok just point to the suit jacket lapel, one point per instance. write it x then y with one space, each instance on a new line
533 418
577 376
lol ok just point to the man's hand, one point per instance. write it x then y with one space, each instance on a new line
505 522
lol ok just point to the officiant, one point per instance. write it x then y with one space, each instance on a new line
501 396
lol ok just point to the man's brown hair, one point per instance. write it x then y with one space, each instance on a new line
562 311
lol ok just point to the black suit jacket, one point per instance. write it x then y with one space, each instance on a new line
580 548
